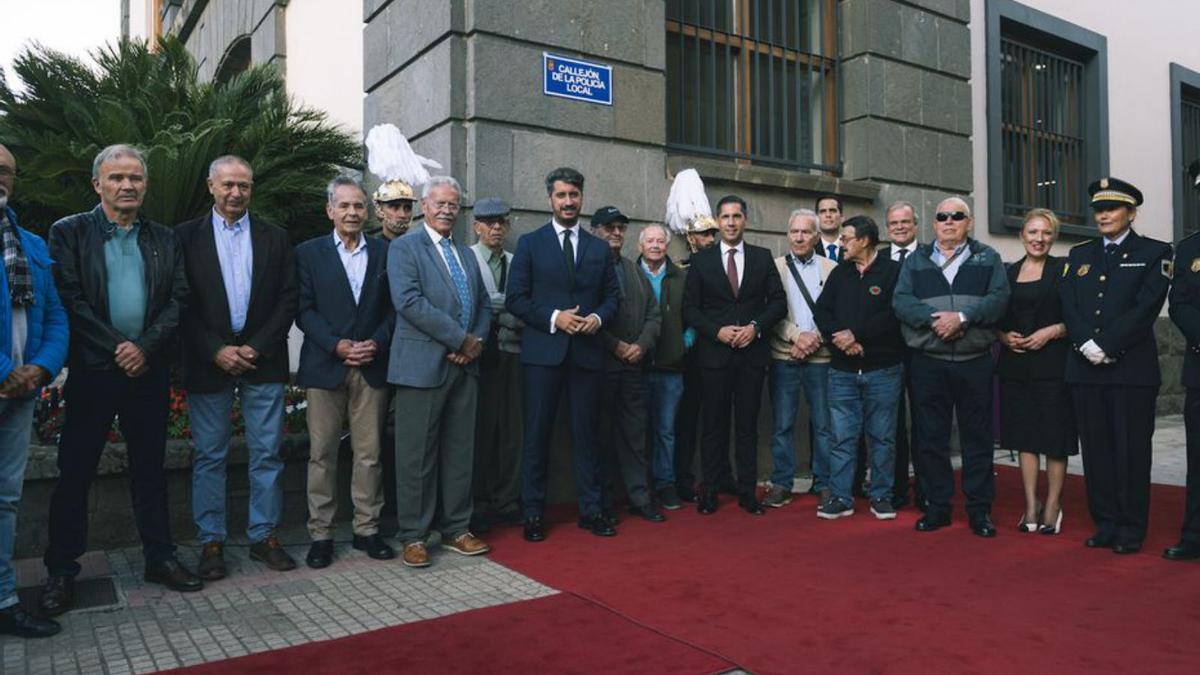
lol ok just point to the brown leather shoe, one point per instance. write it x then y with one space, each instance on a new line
212 561
467 544
415 555
270 552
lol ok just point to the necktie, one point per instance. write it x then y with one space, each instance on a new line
903 255
460 283
569 256
731 272
500 285
833 252
1110 248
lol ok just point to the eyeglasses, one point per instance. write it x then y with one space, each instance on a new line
956 216
445 206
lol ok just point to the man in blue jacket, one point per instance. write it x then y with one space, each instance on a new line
346 315
948 298
33 346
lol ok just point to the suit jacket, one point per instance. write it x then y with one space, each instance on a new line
820 250
709 304
1114 299
428 310
328 314
538 285
786 330
1185 305
1049 362
638 319
206 326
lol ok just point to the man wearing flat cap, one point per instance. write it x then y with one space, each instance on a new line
1112 290
629 340
497 474
1185 312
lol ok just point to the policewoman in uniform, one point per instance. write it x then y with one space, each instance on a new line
1112 290
1185 312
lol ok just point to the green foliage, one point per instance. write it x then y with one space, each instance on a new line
153 100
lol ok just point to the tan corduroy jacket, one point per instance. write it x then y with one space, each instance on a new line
786 330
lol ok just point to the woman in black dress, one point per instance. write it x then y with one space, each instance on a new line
1035 404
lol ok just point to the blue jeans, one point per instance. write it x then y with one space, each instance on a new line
16 419
212 427
663 392
787 379
864 402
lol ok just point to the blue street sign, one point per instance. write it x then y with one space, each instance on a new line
575 79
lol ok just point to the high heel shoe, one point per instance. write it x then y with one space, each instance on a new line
1030 526
1047 529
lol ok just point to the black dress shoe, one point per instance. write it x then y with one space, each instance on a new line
929 523
58 595
174 576
375 547
707 504
983 526
320 554
648 512
1182 551
16 621
1100 540
1127 548
534 529
610 517
751 505
598 524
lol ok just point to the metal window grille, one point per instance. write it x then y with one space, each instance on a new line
1190 121
1043 128
755 80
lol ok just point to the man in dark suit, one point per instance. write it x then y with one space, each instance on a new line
1185 312
1112 291
563 286
829 223
235 339
732 297
443 314
346 315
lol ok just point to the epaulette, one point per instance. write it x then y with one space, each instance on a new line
1084 243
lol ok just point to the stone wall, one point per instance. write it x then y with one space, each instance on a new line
209 28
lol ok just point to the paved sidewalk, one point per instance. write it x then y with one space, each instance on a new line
255 609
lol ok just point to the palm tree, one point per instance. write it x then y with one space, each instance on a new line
152 99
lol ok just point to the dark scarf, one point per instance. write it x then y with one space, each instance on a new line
16 266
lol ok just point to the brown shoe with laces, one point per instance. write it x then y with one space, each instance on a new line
270 553
212 561
466 544
415 554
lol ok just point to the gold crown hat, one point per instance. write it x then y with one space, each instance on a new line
392 160
688 209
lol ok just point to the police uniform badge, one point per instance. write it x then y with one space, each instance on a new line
1067 268
1195 265
1083 270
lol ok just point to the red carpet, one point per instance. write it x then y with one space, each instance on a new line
561 633
789 593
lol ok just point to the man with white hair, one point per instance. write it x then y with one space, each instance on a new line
949 296
443 314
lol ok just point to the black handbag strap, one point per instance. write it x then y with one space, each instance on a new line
812 306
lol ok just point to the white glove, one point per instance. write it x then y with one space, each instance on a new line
1092 352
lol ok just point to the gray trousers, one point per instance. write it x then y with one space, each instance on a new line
497 475
435 441
622 444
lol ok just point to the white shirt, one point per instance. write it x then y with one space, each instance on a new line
437 243
837 248
1119 240
354 262
810 274
558 232
739 258
895 250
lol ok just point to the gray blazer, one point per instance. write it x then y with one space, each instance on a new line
428 310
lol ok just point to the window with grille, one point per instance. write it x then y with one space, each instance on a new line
754 80
1047 117
1189 136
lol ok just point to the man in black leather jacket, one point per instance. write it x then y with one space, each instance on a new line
121 279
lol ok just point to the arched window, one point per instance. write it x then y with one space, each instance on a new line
235 61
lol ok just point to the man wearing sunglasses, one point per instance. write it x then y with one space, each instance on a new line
949 296
1112 291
